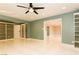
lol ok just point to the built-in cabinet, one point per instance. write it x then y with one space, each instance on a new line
2 31
10 31
77 30
6 30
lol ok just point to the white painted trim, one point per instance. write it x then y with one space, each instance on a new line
73 42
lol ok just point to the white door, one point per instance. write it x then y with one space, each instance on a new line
17 31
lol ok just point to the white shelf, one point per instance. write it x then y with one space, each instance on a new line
76 41
77 35
76 13
76 26
77 22
76 31
77 18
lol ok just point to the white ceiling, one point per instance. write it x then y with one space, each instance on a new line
51 9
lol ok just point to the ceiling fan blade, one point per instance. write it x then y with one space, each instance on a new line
35 12
21 6
27 11
30 4
38 7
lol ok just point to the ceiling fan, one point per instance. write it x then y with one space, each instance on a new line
31 8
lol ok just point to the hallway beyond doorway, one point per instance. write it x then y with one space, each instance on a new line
52 31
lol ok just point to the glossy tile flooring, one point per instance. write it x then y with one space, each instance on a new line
35 46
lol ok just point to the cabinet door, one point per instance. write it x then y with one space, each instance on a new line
10 31
2 31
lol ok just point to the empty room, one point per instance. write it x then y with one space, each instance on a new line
39 28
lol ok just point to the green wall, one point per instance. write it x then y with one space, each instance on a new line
37 29
28 30
67 27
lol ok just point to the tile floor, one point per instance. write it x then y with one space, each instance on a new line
34 46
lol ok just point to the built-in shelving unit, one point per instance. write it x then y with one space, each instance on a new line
2 31
6 30
10 31
76 30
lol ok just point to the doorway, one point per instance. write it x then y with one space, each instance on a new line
52 31
17 31
20 31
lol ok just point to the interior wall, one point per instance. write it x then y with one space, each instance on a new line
28 31
67 27
12 19
17 21
37 30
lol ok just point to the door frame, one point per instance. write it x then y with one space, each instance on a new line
44 28
15 31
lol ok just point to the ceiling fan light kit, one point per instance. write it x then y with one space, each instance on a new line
31 8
